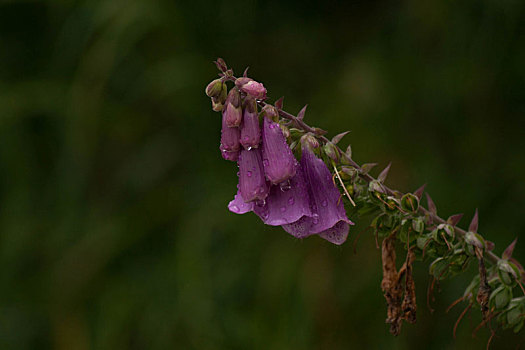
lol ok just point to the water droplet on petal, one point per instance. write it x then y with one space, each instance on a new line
260 203
249 148
291 200
266 162
285 186
234 208
324 203
249 173
315 220
283 209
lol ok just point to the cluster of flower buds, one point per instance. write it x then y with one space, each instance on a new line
300 196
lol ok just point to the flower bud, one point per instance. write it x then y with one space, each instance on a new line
285 130
310 141
270 112
232 109
250 130
252 88
216 105
331 151
224 94
214 88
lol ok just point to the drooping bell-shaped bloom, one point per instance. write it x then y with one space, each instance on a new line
230 140
328 217
252 183
232 111
279 162
285 204
250 130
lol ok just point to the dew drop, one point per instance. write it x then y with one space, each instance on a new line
315 220
283 209
324 203
285 186
260 203
291 200
272 126
249 173
266 162
249 148
235 208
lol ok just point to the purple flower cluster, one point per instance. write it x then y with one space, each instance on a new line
299 196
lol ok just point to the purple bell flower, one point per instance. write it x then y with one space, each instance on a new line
250 130
279 162
230 137
285 205
328 217
252 184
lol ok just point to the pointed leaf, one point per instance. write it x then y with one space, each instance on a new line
419 191
301 113
454 219
507 254
349 151
431 206
384 173
473 227
245 74
338 137
365 168
279 103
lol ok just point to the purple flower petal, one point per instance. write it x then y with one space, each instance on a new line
229 155
239 206
337 234
285 204
250 130
279 162
230 137
252 184
328 217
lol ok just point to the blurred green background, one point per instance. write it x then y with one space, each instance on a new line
114 231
